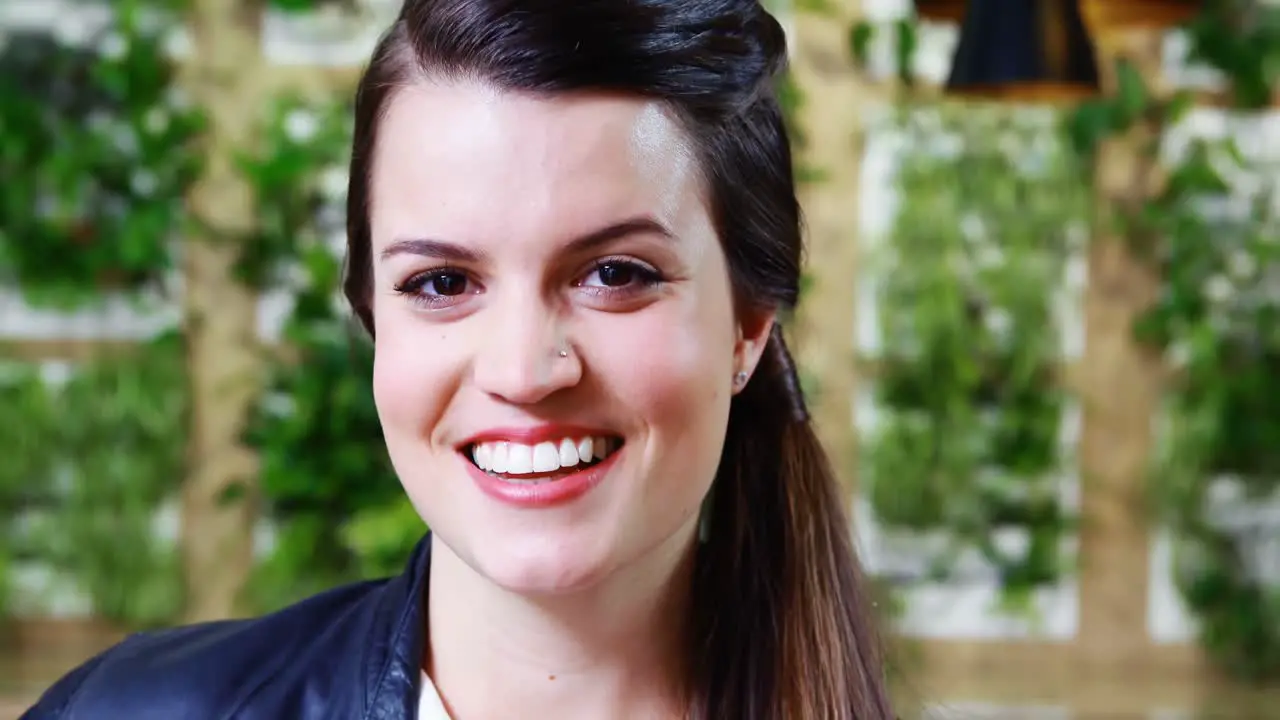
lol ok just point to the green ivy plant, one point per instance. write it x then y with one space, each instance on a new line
28 418
108 146
1216 241
906 36
791 99
122 425
305 6
295 174
92 462
968 444
104 147
100 146
337 507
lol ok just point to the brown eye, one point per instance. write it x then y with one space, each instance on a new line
616 274
619 274
446 284
437 287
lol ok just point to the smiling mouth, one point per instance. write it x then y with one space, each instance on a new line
541 462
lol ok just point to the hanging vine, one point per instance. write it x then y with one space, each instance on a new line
28 417
324 468
1214 233
104 145
968 447
305 6
338 510
1211 231
90 463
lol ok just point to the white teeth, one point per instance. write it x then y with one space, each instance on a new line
519 459
511 458
568 456
546 457
482 454
498 460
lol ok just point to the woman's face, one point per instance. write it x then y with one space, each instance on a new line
549 289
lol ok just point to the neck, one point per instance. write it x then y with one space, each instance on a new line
616 649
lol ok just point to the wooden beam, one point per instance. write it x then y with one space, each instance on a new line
39 650
75 351
1120 385
1064 373
1092 684
834 99
225 75
312 81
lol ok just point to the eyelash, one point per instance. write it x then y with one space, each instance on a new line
646 276
413 285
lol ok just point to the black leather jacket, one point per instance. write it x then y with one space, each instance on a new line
352 653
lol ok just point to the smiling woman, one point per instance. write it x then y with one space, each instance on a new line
571 228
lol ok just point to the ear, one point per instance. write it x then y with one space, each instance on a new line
754 328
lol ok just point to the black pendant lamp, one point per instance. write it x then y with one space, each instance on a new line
941 10
1024 50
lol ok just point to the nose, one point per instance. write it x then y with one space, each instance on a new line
527 356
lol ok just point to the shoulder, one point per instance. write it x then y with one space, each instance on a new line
212 669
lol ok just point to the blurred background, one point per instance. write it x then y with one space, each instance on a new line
1040 333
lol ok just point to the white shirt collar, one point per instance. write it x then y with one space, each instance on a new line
430 706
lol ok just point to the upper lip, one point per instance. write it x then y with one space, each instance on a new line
532 435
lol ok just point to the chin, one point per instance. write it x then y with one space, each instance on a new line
543 566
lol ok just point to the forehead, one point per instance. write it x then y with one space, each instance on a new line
464 157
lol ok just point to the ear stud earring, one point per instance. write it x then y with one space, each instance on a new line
740 379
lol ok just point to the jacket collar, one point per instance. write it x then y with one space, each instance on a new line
392 673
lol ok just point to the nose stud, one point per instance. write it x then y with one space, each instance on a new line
563 353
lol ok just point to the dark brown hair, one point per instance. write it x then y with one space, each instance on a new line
782 628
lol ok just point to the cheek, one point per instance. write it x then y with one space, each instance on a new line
668 375
673 370
409 368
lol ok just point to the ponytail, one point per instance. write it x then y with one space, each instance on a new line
782 620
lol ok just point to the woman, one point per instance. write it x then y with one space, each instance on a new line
572 228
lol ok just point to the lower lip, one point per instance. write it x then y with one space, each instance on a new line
542 494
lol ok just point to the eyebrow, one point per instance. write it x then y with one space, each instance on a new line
450 252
